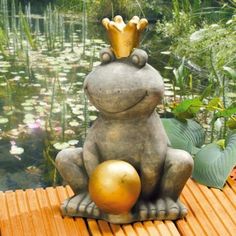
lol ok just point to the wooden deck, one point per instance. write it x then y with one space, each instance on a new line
36 212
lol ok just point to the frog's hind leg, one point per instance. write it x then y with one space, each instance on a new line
177 169
69 163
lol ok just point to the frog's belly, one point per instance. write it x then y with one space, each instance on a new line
127 150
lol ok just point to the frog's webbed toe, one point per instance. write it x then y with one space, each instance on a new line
80 205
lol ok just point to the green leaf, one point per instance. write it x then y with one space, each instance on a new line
231 123
188 135
227 112
230 71
188 108
206 92
212 164
214 103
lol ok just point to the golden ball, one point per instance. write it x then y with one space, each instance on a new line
114 186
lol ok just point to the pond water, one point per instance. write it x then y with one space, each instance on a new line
42 105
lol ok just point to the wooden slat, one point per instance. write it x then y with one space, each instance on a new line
5 224
220 211
232 184
105 228
94 228
24 213
129 230
162 228
117 230
229 208
202 218
69 222
140 230
53 201
14 214
171 226
190 222
150 228
208 210
230 194
37 212
46 212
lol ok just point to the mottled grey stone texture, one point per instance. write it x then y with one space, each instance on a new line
126 92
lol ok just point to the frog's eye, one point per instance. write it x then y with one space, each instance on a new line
139 57
106 55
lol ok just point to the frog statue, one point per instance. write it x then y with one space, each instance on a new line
126 90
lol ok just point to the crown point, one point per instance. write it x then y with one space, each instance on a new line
142 24
135 19
106 22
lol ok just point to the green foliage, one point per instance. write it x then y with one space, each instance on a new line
213 164
27 30
188 108
3 39
189 135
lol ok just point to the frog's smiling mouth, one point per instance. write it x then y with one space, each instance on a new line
104 109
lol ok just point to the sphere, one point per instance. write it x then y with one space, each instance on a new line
114 186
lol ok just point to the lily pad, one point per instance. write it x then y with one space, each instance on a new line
73 142
60 146
15 150
3 120
74 123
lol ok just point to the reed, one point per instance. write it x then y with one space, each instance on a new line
84 26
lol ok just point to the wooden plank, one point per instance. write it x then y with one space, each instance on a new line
199 213
219 210
208 209
47 214
172 228
150 228
5 224
104 228
36 215
24 213
93 228
14 214
184 228
82 226
232 184
54 203
129 230
225 203
140 230
77 224
190 220
117 230
162 228
68 221
230 194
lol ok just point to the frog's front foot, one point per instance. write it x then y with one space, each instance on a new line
80 205
161 209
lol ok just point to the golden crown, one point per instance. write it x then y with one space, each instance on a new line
124 37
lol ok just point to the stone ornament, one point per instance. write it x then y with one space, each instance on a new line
126 90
